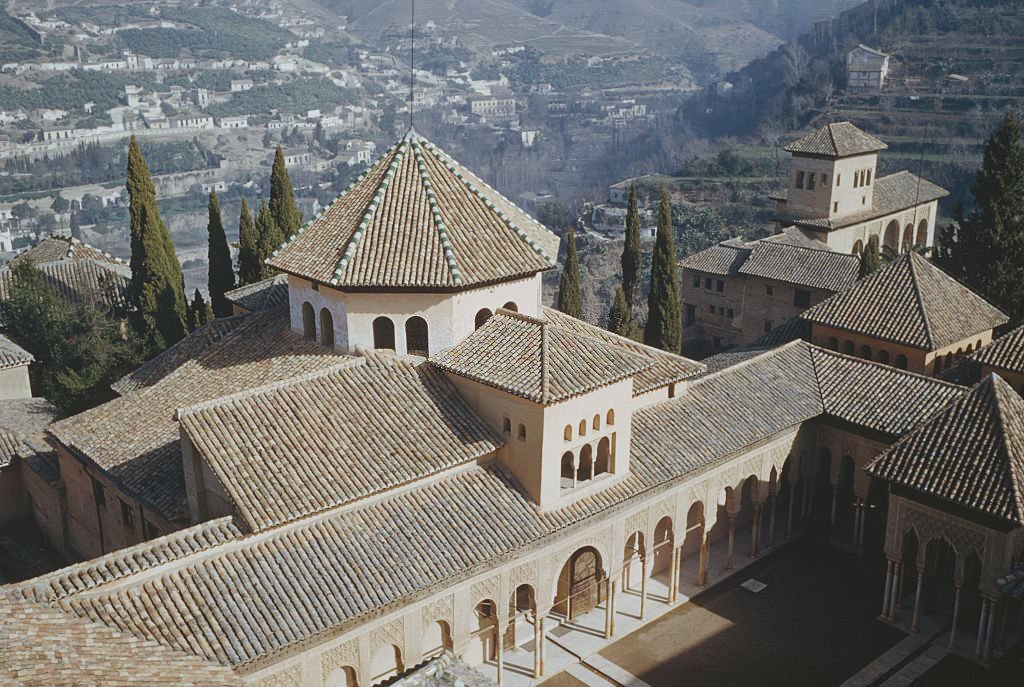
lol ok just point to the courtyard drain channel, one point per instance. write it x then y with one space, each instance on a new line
886 666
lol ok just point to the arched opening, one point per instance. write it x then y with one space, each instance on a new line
693 536
596 423
567 433
892 236
848 347
416 337
603 463
609 418
844 496
386 663
970 598
909 563
922 234
384 333
937 592
664 541
308 322
568 471
522 610
901 361
437 639
326 327
583 428
748 495
858 247
883 356
947 362
511 306
908 238
521 432
865 352
483 637
632 557
821 497
345 676
580 584
482 316
832 344
585 471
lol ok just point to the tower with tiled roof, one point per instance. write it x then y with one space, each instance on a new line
413 256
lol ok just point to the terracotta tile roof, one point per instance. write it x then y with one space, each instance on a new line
666 368
724 258
792 236
819 269
135 438
54 248
911 302
158 367
839 139
22 423
971 454
893 193
45 646
1006 352
13 355
314 442
538 360
263 295
418 220
78 280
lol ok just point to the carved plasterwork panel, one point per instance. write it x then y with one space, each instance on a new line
289 677
389 633
346 654
439 609
523 574
489 588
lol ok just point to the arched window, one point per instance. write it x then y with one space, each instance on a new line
947 361
308 322
901 361
609 418
883 357
858 247
848 347
568 470
583 428
922 233
603 463
567 433
585 471
481 317
865 352
416 339
908 238
511 306
506 425
326 327
892 236
384 333
596 424
832 344
521 433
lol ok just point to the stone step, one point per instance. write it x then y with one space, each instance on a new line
614 672
588 676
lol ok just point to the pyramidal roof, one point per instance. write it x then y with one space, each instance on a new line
839 139
418 220
971 454
909 301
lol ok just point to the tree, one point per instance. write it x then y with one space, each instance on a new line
221 277
664 321
75 227
619 317
282 198
985 249
870 260
270 237
199 312
631 258
157 289
569 300
79 350
250 267
60 204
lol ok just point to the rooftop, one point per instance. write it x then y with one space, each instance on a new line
1006 352
971 454
13 355
839 139
437 227
909 301
55 248
263 295
79 280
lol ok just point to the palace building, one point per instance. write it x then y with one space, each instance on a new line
396 451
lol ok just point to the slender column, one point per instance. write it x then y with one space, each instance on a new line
832 516
789 511
702 569
499 650
537 622
771 521
610 613
732 537
887 595
858 513
643 586
986 653
956 618
542 649
898 601
982 623
755 544
894 594
917 600
673 576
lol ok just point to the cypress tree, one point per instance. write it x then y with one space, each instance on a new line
270 237
986 250
76 229
157 285
199 312
870 260
221 277
631 250
282 199
664 323
250 268
569 300
619 320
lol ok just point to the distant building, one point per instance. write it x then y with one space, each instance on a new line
240 85
192 122
866 69
499 108
237 122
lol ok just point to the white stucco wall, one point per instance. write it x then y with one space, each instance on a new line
14 383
